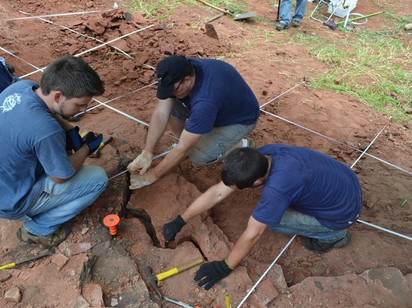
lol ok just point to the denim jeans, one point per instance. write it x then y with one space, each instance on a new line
285 11
294 222
59 203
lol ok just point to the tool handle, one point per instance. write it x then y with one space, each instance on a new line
167 274
227 300
214 18
179 269
8 266
190 264
107 141
215 7
359 17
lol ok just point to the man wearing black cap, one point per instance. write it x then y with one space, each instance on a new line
208 106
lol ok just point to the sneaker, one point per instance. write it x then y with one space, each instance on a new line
317 246
281 26
48 241
295 23
249 142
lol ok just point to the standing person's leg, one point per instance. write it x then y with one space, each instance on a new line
213 146
317 237
59 203
300 11
285 13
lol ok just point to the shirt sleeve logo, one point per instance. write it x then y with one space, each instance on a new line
10 102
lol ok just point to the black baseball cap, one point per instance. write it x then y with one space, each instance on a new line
169 71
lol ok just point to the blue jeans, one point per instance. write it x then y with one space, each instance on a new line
294 222
59 203
285 11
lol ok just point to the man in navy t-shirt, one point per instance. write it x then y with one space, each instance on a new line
208 106
304 192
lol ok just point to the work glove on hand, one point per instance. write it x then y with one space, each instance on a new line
141 163
212 272
172 228
93 141
138 181
73 139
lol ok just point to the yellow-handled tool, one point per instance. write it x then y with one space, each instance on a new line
179 269
227 300
40 255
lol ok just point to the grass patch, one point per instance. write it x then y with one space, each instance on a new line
160 9
374 67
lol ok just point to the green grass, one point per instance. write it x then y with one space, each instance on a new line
374 67
162 8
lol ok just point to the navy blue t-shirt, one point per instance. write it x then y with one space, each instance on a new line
32 145
311 183
220 97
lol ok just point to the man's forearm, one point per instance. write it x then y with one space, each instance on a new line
207 200
158 124
247 240
170 161
78 158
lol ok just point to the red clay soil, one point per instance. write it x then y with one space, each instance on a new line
92 269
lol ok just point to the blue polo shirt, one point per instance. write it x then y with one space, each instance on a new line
220 97
311 183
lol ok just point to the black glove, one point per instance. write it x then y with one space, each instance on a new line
210 273
73 139
93 141
172 228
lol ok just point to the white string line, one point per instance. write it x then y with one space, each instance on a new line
370 144
336 141
384 229
116 98
60 14
17 57
121 112
267 271
96 47
127 115
295 86
81 34
364 222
